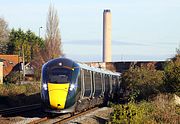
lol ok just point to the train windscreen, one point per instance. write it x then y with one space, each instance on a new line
63 75
60 75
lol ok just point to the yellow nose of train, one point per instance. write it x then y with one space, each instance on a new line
58 94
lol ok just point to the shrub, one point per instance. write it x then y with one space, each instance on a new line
131 113
172 74
165 112
145 80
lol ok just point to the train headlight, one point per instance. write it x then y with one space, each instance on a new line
72 86
45 86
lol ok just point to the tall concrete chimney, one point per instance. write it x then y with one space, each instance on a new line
107 36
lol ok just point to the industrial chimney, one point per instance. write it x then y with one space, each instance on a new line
107 36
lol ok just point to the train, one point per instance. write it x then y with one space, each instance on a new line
68 86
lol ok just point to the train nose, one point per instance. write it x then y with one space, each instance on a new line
57 95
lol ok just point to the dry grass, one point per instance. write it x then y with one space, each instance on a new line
165 110
13 89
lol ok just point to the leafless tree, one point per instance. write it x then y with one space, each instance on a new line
4 36
52 38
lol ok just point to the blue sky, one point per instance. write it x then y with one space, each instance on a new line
141 29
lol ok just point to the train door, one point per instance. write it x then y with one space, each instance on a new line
81 80
114 84
110 83
102 84
107 85
98 84
87 83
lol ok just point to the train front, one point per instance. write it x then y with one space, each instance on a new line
60 88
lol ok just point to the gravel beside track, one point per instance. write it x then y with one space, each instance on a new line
99 116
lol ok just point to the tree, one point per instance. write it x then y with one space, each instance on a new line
142 81
23 43
172 73
52 38
4 36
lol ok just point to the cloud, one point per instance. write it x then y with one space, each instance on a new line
98 42
83 42
129 43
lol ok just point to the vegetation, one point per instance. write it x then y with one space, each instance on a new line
172 74
24 43
53 38
4 36
14 90
159 110
143 81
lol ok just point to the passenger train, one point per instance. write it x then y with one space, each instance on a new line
68 86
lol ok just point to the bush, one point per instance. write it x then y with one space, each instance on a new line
144 80
172 74
165 111
131 113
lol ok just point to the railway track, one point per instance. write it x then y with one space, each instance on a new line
19 109
62 119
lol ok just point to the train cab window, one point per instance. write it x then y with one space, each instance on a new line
63 75
59 75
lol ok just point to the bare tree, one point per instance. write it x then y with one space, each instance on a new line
52 38
4 36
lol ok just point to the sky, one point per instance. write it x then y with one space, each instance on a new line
142 30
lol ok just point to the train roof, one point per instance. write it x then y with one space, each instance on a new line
100 70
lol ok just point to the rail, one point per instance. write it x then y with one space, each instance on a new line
61 119
19 109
